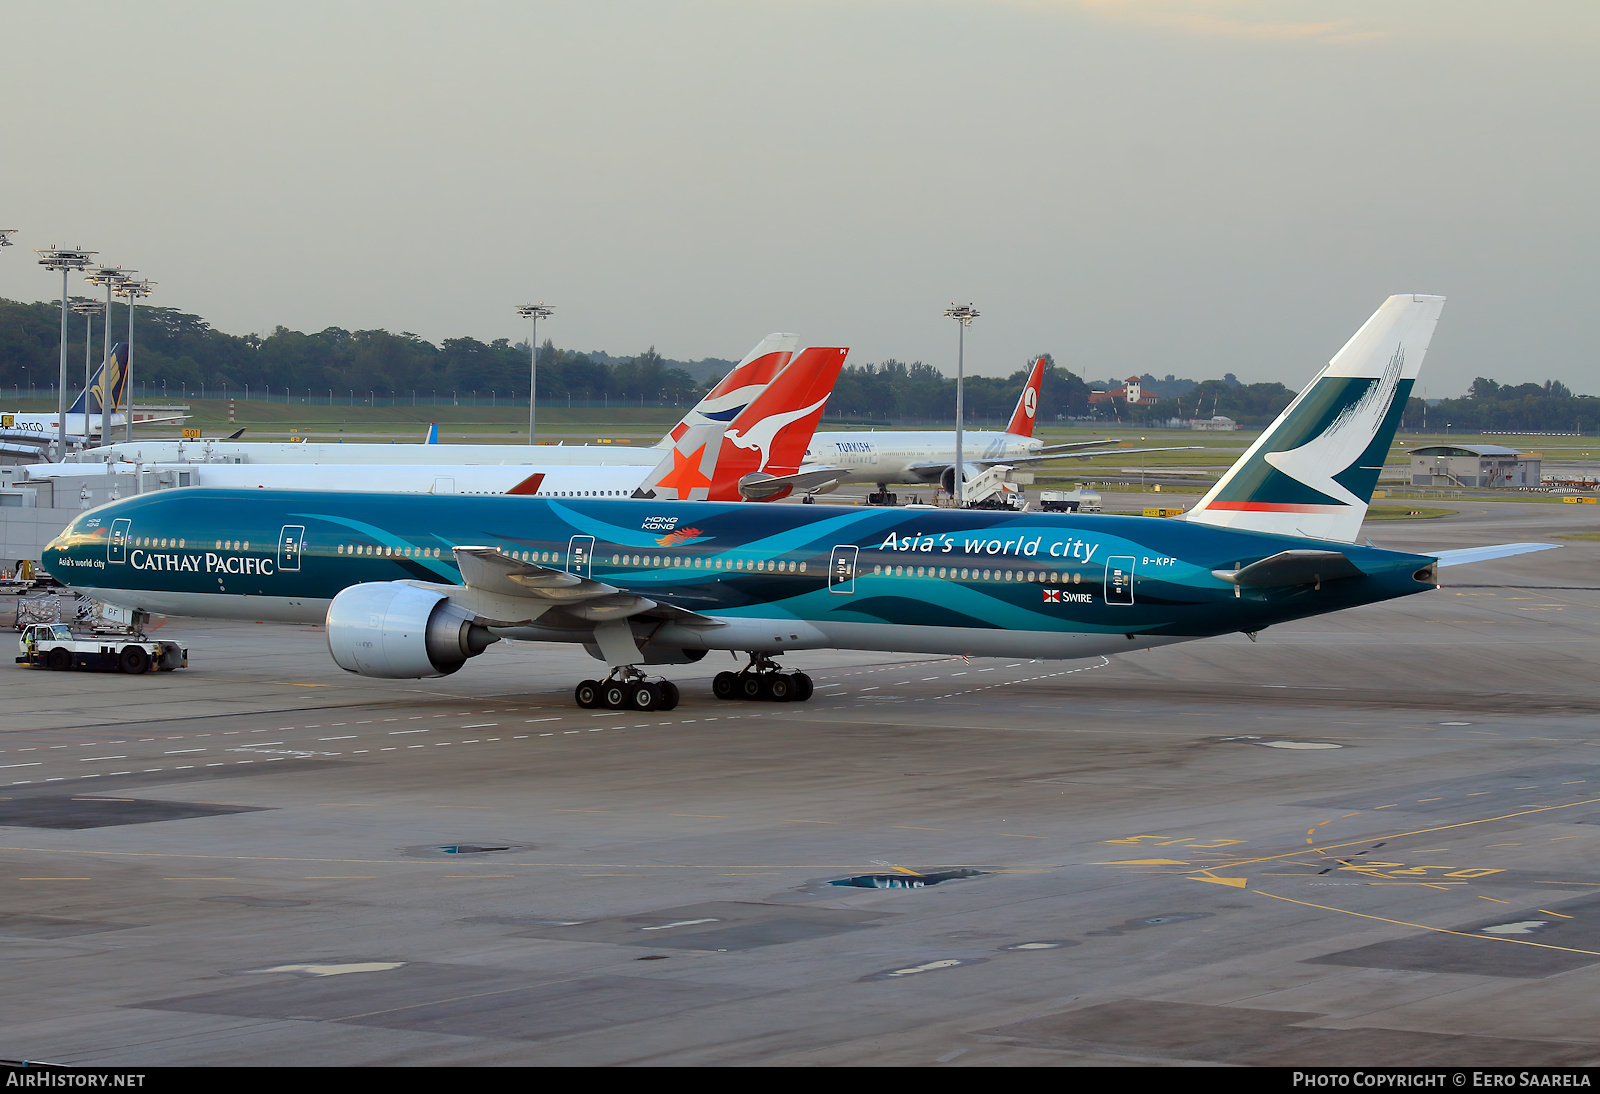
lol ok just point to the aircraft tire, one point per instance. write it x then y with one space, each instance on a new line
725 685
751 686
58 659
779 688
802 687
669 695
134 660
643 697
616 697
587 694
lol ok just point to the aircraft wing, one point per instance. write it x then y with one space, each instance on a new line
1291 568
490 571
1463 555
931 471
1039 456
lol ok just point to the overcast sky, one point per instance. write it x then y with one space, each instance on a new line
1183 186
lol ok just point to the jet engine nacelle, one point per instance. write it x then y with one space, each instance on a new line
386 629
947 477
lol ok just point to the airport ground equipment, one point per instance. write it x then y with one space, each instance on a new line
1069 501
57 646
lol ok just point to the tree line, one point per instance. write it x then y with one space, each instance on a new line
190 355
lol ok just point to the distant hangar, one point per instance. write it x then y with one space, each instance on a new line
1474 465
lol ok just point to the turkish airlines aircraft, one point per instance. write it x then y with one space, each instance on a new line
893 456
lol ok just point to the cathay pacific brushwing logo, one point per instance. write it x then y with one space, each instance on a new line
1342 442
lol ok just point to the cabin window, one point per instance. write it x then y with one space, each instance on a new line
802 567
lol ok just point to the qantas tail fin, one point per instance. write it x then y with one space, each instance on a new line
724 402
114 369
1027 403
1312 472
771 436
709 460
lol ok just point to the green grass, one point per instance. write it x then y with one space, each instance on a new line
1406 512
1581 535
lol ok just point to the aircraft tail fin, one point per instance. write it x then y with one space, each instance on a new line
93 400
687 471
1313 471
1027 403
433 434
735 391
771 436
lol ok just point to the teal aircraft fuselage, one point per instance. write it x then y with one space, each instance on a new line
771 577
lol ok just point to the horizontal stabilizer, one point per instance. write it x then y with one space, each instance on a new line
1292 568
759 486
1464 555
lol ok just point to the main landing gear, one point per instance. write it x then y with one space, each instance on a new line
626 688
763 680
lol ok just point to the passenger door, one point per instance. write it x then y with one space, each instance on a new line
580 552
1119 579
117 545
842 570
291 541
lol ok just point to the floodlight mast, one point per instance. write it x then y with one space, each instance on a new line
132 290
536 312
5 237
88 309
110 277
963 314
65 259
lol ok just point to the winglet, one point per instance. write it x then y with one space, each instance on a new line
529 486
433 434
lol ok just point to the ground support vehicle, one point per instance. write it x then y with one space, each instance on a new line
55 646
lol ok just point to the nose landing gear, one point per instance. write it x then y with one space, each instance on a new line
763 680
626 688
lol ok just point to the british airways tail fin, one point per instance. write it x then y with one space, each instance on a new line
1027 403
95 398
749 378
1312 472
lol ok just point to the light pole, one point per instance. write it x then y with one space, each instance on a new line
132 290
88 309
65 259
110 277
5 237
963 314
536 312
